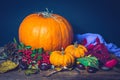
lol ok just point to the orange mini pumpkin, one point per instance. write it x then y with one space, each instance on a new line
77 50
45 30
61 59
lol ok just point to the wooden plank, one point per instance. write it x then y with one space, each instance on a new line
65 75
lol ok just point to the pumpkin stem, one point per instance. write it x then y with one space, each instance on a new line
62 50
76 44
46 13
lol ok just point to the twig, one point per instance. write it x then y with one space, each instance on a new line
51 73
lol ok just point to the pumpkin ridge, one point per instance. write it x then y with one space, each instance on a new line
68 60
67 24
60 37
60 30
81 52
72 59
39 38
51 48
66 33
57 59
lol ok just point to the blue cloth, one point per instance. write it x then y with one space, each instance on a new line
91 39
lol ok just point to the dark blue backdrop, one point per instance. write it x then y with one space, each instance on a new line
95 16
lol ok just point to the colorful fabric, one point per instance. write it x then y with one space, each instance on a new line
91 39
100 52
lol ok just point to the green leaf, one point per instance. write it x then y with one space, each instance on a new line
32 55
21 45
40 50
34 51
15 41
28 47
39 58
89 61
50 53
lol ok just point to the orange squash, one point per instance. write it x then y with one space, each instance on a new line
45 30
61 59
77 50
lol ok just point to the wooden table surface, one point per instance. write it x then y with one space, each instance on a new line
64 75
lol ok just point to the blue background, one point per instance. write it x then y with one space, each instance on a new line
94 16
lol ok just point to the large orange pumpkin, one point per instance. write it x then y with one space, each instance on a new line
45 30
